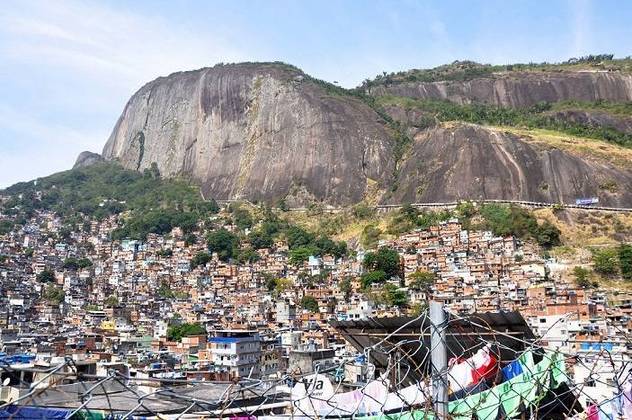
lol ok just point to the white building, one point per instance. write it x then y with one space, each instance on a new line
237 352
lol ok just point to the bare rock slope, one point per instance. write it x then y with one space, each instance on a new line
255 131
520 89
467 161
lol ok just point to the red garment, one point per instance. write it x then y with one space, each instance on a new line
592 413
464 373
485 370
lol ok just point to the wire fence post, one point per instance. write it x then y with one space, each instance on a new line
439 360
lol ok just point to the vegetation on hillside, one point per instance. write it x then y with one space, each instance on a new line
260 227
309 303
501 219
176 332
620 109
538 116
614 261
155 205
468 70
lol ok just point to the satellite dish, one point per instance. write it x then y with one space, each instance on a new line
6 381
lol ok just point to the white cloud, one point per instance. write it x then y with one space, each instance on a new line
72 65
94 39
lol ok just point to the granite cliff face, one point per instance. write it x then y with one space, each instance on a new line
255 131
266 132
467 161
520 89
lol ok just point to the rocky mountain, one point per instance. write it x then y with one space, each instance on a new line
467 161
268 131
255 131
520 89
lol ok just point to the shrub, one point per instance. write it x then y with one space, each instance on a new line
176 332
386 260
224 243
625 261
605 261
310 303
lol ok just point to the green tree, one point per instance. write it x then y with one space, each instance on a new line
111 301
301 254
283 205
72 263
547 235
248 255
605 261
269 281
242 218
297 236
385 259
176 332
310 303
260 239
190 239
327 246
46 276
394 296
201 258
582 277
84 263
282 284
367 279
6 226
362 211
345 287
422 280
224 243
164 291
165 252
625 261
54 295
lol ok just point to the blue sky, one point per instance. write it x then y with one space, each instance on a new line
68 67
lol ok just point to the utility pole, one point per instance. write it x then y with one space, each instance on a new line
439 360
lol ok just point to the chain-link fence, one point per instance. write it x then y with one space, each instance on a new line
492 374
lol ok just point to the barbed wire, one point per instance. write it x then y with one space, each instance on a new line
543 384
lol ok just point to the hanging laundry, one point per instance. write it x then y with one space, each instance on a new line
592 413
524 390
512 369
485 365
481 365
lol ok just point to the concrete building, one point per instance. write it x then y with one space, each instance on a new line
237 352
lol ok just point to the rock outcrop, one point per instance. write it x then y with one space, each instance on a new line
255 131
86 159
266 132
520 89
471 162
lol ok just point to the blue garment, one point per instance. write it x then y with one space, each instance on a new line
25 412
512 369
